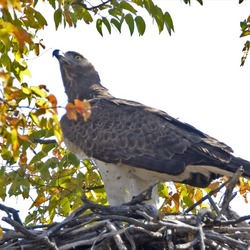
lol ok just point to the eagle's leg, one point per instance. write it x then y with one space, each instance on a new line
122 183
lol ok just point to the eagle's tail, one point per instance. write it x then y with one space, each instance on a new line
237 162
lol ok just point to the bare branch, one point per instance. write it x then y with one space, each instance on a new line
228 194
79 2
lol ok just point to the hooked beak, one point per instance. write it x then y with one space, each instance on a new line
57 53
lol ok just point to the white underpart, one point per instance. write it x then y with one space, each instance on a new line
123 182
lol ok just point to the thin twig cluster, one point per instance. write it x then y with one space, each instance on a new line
133 226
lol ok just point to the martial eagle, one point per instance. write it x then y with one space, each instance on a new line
135 146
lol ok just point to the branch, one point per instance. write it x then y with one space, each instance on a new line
228 194
41 141
14 212
79 2
208 196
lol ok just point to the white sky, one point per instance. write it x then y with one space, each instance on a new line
194 75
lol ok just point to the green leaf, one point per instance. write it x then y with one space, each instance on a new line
25 187
188 201
130 22
116 23
243 25
140 24
149 5
158 16
47 147
65 205
99 26
86 16
40 155
138 2
168 22
58 17
127 6
115 12
37 157
39 17
15 186
107 24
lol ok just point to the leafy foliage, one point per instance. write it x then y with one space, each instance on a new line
34 162
245 28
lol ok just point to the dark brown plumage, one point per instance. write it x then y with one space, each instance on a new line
135 141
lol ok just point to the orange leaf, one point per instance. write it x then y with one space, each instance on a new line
38 201
83 108
71 111
52 99
68 18
42 86
23 137
22 36
23 159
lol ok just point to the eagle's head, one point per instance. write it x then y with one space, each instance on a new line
79 76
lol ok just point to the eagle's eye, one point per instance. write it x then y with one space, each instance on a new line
78 57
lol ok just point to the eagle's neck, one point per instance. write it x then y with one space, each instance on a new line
98 91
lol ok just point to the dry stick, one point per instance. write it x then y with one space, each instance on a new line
228 194
44 141
208 196
14 212
188 244
131 240
169 239
226 240
234 222
201 214
118 240
30 235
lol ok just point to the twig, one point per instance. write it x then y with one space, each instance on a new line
233 222
169 238
92 7
188 245
208 196
14 212
31 235
226 240
118 240
41 141
131 240
200 216
228 194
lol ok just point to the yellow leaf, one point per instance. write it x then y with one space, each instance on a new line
14 138
58 133
38 201
38 91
